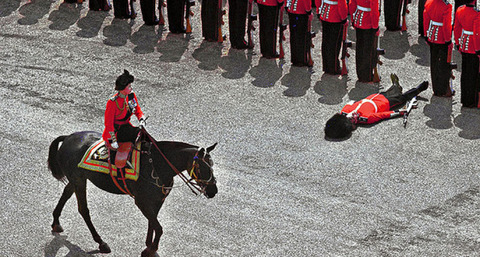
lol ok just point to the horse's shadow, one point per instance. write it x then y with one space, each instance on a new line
173 47
395 43
7 7
34 11
266 73
91 24
236 64
468 121
117 33
59 241
208 54
331 89
145 39
66 16
297 81
439 110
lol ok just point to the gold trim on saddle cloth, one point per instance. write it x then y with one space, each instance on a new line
96 159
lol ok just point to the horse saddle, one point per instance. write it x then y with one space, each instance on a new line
96 158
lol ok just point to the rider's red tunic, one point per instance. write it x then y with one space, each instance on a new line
118 112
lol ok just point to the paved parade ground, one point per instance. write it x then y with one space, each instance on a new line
283 189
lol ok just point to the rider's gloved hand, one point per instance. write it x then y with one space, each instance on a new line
114 145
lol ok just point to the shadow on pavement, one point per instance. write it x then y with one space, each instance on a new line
266 73
468 121
91 24
59 241
395 43
331 89
34 11
439 110
7 7
66 16
145 39
174 46
117 33
208 54
297 81
236 63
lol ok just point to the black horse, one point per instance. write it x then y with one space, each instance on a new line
159 163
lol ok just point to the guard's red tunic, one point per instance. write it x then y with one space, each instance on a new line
463 29
364 13
300 7
118 112
437 21
332 10
371 109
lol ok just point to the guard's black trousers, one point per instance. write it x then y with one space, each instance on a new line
470 80
237 16
366 54
211 19
332 37
439 69
421 7
121 9
300 39
392 11
268 19
175 15
148 12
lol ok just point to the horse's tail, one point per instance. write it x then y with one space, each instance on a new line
52 159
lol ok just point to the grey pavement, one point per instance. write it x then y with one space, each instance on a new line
283 189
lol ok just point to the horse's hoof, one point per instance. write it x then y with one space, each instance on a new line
104 248
148 253
57 228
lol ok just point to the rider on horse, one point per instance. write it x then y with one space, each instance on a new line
119 133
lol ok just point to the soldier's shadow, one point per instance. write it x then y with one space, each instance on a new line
7 7
117 33
145 39
236 64
33 11
66 15
331 89
266 73
173 47
208 54
91 24
395 43
422 51
297 81
468 121
439 110
59 241
362 90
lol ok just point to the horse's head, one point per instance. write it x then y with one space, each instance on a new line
202 172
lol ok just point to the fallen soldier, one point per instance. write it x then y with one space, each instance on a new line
371 109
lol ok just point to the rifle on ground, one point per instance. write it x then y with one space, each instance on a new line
283 27
310 36
405 11
161 6
250 27
133 14
221 12
345 45
412 104
188 13
378 52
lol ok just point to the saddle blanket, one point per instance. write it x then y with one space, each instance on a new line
96 159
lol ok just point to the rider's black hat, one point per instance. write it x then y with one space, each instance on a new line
123 80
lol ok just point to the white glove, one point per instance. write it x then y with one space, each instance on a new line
114 145
142 123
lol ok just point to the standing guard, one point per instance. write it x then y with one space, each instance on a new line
421 7
268 12
237 16
437 26
466 40
99 5
148 12
176 16
300 19
333 15
212 19
365 15
393 13
121 9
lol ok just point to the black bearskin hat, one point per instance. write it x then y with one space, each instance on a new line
339 126
123 80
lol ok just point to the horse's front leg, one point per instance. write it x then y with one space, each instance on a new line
150 211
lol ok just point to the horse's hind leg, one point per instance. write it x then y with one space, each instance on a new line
67 193
81 193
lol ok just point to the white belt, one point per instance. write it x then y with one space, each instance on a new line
330 2
365 101
364 9
435 23
466 32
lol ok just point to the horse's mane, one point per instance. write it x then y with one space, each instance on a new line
174 144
